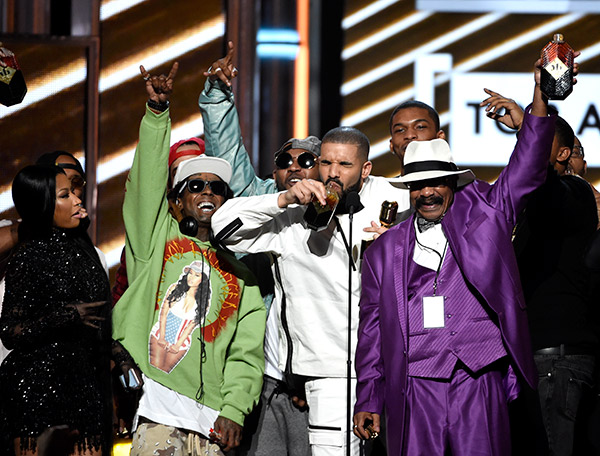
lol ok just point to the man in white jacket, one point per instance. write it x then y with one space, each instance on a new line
313 267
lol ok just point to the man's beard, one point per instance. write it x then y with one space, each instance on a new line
341 207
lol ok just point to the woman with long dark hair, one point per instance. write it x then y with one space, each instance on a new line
186 304
54 318
74 171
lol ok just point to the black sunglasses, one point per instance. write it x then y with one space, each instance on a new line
198 185
305 160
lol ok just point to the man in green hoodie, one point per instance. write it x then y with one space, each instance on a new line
192 317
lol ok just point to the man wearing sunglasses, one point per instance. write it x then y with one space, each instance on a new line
182 150
192 317
297 159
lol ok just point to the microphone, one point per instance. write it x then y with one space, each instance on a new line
353 203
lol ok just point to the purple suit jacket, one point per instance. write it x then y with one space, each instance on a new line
478 226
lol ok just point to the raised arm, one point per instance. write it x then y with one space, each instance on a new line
250 225
253 224
512 116
222 133
145 205
528 164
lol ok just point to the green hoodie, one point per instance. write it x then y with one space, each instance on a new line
153 313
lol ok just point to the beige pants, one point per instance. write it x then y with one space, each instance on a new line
157 439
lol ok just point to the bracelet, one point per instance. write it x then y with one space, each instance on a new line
158 106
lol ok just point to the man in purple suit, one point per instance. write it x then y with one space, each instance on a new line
443 341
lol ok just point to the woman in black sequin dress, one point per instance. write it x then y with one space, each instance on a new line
55 319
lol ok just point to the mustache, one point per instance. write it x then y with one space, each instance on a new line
428 200
337 181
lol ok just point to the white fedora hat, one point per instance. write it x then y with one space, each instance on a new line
425 160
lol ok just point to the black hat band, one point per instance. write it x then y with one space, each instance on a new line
429 165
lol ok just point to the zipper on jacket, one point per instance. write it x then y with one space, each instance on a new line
284 321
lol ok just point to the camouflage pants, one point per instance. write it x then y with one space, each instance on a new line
160 440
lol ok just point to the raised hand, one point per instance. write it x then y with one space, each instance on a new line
303 193
539 106
513 114
375 228
537 69
223 68
159 88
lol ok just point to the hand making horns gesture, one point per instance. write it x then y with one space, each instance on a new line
159 88
223 68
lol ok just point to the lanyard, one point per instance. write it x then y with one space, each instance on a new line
437 273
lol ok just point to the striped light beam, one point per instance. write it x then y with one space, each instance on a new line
546 29
124 70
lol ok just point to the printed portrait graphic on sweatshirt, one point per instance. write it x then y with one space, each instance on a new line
184 308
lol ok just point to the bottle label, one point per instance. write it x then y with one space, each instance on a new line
556 68
6 74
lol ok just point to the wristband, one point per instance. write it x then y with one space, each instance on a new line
158 106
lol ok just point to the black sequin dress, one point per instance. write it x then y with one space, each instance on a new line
58 371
